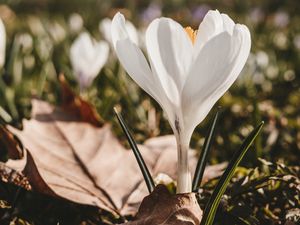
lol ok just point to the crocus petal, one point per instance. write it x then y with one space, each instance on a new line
133 60
211 26
101 53
2 43
87 58
218 64
80 54
105 29
228 23
132 32
170 52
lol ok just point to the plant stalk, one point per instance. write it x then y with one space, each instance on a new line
184 179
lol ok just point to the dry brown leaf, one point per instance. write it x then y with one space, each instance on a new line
161 207
86 164
77 106
10 144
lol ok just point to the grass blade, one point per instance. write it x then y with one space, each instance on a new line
204 154
147 176
212 205
5 115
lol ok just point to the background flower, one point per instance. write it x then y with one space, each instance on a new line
87 58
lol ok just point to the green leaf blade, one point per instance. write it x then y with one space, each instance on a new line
139 158
212 205
204 154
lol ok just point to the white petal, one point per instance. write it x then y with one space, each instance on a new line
101 53
170 52
118 29
211 26
80 53
87 58
2 43
130 56
218 65
105 29
228 23
132 32
136 65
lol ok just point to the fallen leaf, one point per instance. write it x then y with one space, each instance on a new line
10 144
74 104
161 207
87 164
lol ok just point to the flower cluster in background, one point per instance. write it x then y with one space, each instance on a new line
40 39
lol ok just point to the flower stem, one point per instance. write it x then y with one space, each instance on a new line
184 180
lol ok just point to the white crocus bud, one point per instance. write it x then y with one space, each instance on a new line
87 58
186 72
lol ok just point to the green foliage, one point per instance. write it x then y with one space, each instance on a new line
214 201
267 194
204 154
139 158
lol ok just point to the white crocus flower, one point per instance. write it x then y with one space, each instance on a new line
2 43
87 58
105 29
188 72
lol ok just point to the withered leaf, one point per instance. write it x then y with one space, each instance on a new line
161 207
87 164
74 104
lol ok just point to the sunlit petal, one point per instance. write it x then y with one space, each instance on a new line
105 29
218 64
131 57
211 26
170 51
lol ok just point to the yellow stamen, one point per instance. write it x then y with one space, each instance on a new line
191 33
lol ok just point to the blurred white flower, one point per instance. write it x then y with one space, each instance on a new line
262 59
26 41
2 43
246 76
87 58
105 29
188 72
258 78
267 86
57 32
257 15
272 72
152 12
280 40
75 22
281 19
296 41
36 26
289 75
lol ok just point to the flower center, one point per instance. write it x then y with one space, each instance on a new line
191 33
